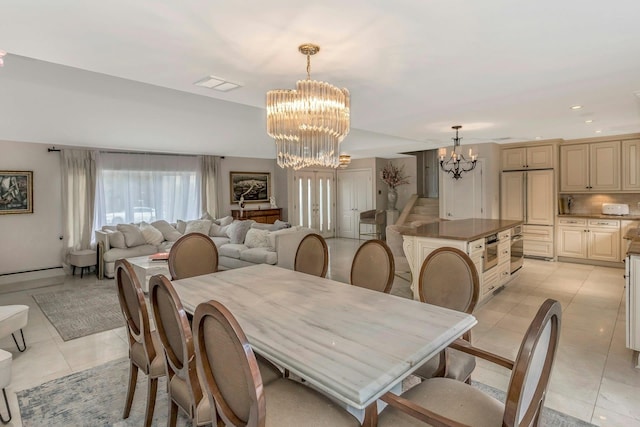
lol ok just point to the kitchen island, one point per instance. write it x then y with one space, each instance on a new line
493 260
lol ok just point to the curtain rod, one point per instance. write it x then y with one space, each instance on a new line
54 149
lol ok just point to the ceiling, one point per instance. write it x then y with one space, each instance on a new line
120 73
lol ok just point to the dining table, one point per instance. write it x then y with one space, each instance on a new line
351 343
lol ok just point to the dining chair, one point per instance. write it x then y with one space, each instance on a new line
447 402
183 384
448 278
312 256
193 254
373 266
145 350
234 384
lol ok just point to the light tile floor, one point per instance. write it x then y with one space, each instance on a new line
593 377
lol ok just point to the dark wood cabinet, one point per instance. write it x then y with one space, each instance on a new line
265 216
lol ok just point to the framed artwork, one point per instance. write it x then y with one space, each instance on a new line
254 187
16 192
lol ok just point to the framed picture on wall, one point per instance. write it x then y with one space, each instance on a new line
254 187
16 192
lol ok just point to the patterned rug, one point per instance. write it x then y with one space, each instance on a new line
95 397
77 313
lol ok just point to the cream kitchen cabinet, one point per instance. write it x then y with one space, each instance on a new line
594 239
631 165
590 167
526 158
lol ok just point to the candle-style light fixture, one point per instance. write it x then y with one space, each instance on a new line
457 163
308 123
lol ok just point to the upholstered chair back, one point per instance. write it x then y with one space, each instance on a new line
448 278
373 266
312 256
193 254
228 366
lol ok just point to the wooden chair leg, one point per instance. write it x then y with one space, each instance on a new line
152 389
173 413
133 379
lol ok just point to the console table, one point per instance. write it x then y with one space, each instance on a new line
265 216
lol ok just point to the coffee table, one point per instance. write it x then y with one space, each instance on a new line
145 268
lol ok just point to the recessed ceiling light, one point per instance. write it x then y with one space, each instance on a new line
538 137
598 131
2 53
589 121
576 107
217 83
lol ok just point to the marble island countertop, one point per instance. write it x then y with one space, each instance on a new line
601 216
462 229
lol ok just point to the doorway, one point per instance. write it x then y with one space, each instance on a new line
355 195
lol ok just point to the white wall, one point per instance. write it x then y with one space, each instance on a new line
32 241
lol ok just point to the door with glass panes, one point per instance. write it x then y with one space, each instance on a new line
314 200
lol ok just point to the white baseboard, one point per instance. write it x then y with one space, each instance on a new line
31 279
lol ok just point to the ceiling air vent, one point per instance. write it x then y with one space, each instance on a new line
217 83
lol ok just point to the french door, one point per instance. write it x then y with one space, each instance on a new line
314 200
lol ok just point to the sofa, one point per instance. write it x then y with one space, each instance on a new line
239 243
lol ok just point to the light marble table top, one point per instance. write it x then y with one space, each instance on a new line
354 344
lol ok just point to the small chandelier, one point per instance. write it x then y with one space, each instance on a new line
309 122
456 164
344 160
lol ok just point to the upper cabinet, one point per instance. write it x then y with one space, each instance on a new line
535 157
590 167
631 165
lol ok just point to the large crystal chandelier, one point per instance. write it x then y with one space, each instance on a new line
456 164
308 123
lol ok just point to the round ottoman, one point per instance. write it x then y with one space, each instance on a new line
12 319
83 258
5 380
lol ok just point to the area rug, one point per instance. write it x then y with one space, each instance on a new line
95 397
80 312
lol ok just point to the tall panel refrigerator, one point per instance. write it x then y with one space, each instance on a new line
529 196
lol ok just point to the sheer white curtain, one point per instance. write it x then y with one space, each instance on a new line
78 193
146 187
210 166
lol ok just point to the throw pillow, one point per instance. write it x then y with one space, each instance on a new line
198 226
132 235
257 238
206 215
262 226
279 225
181 226
152 235
224 221
116 239
218 231
238 230
169 233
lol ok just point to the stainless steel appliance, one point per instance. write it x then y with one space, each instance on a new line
490 252
517 249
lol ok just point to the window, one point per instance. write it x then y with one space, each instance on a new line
146 187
